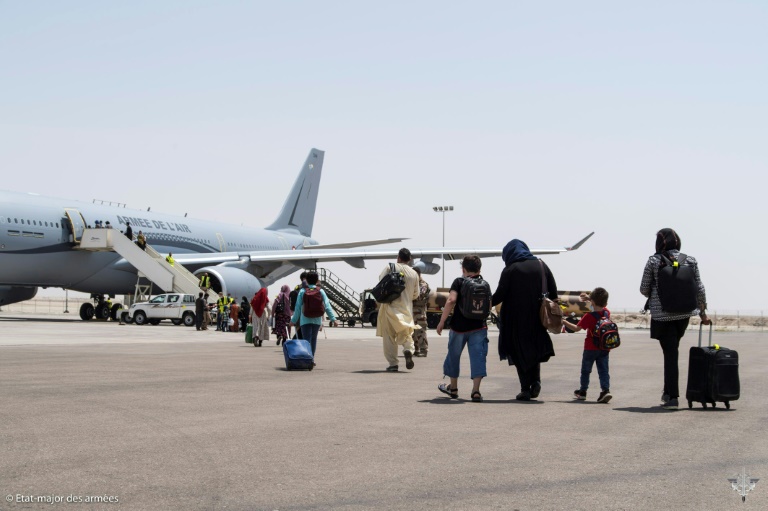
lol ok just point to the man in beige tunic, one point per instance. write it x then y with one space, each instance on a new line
395 322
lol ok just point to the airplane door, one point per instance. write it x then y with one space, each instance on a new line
76 224
222 243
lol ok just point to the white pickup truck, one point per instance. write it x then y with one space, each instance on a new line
177 307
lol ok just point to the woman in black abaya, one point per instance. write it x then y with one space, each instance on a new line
523 341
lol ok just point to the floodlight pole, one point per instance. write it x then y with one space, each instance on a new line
443 209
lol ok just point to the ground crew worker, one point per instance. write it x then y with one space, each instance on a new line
205 282
170 259
420 317
224 303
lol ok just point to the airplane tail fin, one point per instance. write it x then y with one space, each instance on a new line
298 213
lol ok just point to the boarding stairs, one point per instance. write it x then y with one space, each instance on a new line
149 262
344 302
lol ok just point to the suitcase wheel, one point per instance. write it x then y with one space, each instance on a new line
690 404
727 405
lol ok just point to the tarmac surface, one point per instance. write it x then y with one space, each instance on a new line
165 417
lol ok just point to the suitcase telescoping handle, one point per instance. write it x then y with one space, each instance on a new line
701 327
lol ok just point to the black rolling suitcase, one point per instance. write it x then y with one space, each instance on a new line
713 374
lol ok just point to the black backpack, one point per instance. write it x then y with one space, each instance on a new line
677 286
389 287
280 305
475 298
292 298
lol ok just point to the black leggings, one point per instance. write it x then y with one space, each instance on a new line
669 334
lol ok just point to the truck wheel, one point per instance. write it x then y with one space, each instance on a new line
432 321
374 319
176 322
140 318
188 319
154 321
86 311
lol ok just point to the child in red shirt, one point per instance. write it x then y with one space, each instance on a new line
592 354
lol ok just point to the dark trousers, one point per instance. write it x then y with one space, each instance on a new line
198 320
669 333
309 333
528 376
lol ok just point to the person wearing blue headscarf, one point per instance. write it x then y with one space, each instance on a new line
523 340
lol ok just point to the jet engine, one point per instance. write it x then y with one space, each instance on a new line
13 294
226 279
427 268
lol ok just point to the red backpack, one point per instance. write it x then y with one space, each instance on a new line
313 303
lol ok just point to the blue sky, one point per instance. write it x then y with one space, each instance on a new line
540 121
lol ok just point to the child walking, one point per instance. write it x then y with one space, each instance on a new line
592 354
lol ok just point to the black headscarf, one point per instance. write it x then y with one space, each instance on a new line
666 240
515 251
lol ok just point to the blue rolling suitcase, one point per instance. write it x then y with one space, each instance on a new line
298 355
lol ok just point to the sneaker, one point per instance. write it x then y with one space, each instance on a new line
392 369
408 359
523 396
672 404
605 396
579 394
664 398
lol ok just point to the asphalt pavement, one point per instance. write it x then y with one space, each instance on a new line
121 417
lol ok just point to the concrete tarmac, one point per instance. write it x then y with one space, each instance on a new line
165 417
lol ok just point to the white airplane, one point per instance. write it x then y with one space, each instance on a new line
39 237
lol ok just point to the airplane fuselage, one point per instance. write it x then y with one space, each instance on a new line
37 243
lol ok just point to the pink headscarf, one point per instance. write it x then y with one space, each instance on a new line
285 296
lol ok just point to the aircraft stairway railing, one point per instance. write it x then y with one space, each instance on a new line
148 262
342 297
184 281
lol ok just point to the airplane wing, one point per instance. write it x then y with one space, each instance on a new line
355 244
356 258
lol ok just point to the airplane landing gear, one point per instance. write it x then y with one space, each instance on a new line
87 311
99 308
102 310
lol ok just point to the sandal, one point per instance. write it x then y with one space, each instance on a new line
445 389
477 397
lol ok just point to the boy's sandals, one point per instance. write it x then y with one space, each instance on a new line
477 397
445 389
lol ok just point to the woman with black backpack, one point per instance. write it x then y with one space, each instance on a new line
281 311
672 284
